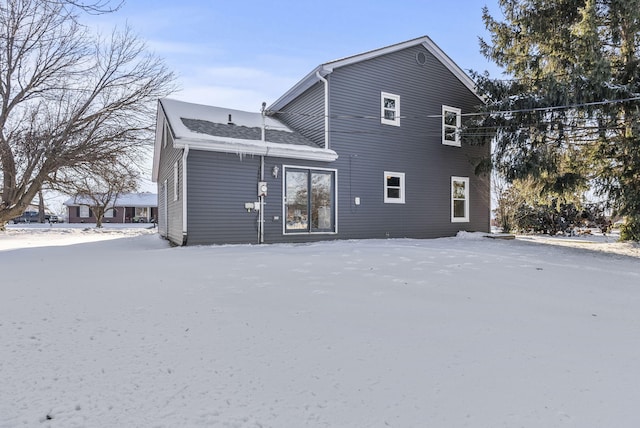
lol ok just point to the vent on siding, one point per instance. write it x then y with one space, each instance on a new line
421 58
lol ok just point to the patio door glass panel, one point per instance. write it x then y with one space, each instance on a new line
297 198
321 201
309 200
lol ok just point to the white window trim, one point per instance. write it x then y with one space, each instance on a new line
396 120
464 219
85 211
284 205
175 181
387 199
458 113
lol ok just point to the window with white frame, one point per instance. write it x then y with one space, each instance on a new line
110 213
459 199
84 211
310 200
175 181
393 187
451 123
390 109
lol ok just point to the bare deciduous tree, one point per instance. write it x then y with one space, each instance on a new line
68 100
100 187
93 7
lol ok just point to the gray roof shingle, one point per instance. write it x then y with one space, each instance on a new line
244 132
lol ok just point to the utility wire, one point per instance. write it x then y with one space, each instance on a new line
439 116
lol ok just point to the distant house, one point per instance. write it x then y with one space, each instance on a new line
128 208
363 147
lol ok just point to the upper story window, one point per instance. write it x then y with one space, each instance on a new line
393 187
390 109
451 123
459 199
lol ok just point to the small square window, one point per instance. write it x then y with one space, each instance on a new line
459 199
393 187
451 124
390 109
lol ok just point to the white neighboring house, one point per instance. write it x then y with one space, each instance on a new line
128 208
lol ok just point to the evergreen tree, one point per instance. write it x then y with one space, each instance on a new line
569 111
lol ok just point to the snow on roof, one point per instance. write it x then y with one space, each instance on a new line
225 130
145 199
176 111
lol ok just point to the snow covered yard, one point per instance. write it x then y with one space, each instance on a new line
114 328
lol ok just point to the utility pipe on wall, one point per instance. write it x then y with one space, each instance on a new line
261 214
185 153
326 108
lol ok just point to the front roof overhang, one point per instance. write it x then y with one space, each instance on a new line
257 148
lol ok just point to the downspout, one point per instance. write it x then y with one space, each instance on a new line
261 215
326 108
185 153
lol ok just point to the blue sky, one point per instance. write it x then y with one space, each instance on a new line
236 54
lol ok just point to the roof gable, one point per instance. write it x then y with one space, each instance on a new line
328 67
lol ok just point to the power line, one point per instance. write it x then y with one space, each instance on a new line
472 114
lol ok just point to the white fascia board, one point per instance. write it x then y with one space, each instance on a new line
452 66
253 147
424 41
157 144
327 68
308 81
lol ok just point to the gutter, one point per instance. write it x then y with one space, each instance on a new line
256 148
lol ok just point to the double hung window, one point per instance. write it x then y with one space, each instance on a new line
459 199
390 109
393 187
451 123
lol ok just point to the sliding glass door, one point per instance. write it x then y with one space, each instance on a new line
309 200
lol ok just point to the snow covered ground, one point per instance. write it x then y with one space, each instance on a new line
114 328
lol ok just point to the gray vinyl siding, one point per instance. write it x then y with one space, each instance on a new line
219 186
367 148
171 226
311 123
